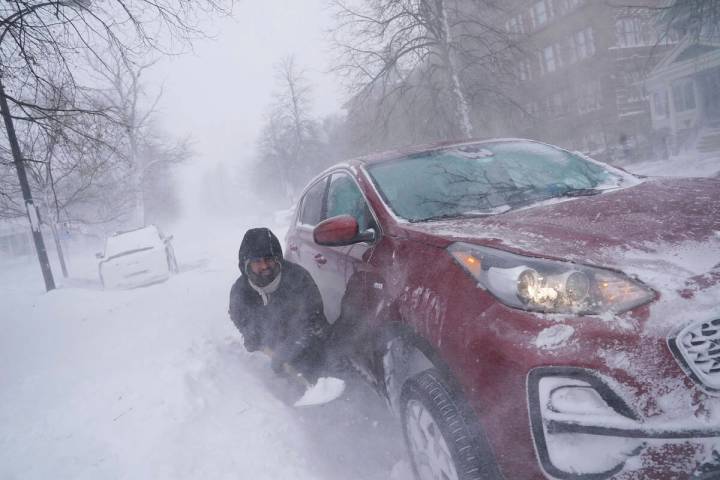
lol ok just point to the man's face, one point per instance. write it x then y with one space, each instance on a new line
264 268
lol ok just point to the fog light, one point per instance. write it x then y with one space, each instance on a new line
567 396
579 400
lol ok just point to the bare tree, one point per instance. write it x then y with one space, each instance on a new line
289 140
159 155
73 168
132 108
42 43
45 43
390 48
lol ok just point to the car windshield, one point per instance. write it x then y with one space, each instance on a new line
125 242
485 179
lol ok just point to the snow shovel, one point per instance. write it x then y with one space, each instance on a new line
325 390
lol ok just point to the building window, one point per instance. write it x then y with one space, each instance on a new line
633 32
660 104
524 71
589 97
584 43
565 6
548 59
683 93
539 14
515 24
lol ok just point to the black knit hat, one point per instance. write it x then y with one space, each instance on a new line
258 243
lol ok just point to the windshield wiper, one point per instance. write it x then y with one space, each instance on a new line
579 192
446 216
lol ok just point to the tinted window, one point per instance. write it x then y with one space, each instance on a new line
312 204
345 198
484 179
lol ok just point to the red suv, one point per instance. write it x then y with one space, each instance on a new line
527 311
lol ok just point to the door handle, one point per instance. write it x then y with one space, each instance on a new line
294 248
320 259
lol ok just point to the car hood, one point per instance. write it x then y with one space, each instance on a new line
664 231
655 212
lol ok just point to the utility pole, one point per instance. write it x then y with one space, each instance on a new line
32 211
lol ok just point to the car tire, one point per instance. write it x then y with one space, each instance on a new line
443 439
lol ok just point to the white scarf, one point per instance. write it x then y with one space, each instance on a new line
267 289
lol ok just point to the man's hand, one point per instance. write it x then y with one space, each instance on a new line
277 362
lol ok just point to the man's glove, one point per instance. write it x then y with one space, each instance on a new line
251 342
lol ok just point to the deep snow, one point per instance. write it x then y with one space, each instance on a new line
154 383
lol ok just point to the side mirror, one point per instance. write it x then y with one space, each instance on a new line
99 256
341 230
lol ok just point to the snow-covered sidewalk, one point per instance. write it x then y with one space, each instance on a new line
153 383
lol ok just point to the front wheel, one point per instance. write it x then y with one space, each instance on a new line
442 442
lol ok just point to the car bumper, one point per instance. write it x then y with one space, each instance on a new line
135 270
649 420
592 433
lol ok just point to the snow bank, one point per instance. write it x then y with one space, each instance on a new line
153 383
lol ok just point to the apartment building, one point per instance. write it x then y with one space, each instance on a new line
685 97
580 76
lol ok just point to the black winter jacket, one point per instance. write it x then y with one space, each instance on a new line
290 324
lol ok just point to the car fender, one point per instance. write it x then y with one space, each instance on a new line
406 354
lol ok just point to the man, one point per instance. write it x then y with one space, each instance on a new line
277 307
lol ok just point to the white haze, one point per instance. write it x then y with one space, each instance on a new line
154 383
218 95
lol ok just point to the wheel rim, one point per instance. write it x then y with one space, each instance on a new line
430 452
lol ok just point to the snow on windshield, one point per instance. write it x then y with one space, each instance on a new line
486 178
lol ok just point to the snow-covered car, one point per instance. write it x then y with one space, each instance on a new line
136 258
527 311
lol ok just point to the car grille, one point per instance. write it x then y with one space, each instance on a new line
698 346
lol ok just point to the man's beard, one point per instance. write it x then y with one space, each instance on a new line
265 277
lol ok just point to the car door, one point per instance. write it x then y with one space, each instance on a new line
301 248
362 284
343 197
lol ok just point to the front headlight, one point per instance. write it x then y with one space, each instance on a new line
547 285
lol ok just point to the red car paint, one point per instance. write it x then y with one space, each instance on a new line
409 277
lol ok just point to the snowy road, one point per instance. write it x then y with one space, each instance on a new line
153 383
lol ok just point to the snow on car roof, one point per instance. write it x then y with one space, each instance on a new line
132 240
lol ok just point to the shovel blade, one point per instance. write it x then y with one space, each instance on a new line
324 391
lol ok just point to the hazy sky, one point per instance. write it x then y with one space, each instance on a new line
219 93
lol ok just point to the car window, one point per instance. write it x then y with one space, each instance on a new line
312 204
345 198
484 179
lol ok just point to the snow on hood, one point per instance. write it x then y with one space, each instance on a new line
665 231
